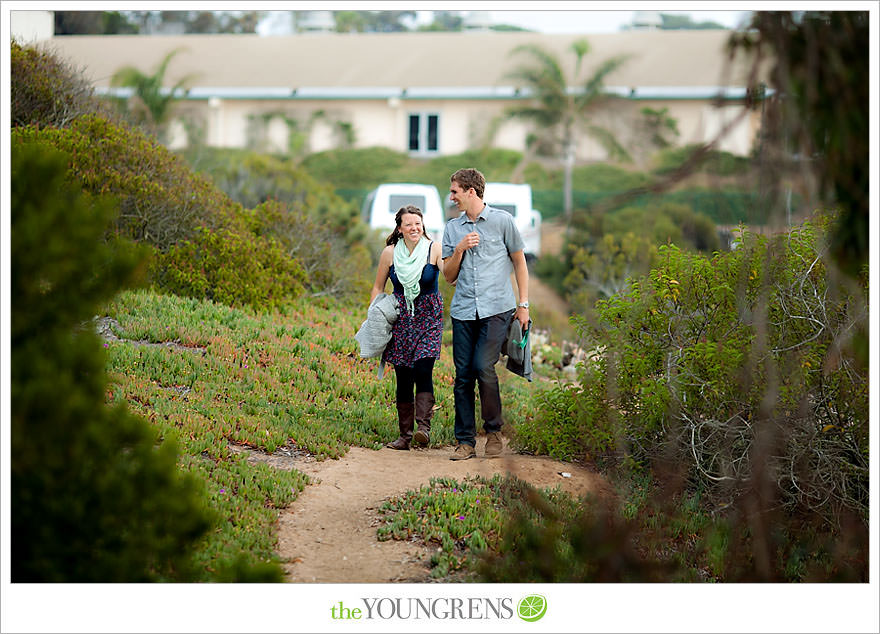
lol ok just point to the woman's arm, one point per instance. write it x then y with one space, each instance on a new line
385 259
436 253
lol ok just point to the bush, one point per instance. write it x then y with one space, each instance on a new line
734 367
233 268
602 177
332 266
315 226
664 223
350 169
45 91
94 498
251 179
161 201
607 250
181 214
716 162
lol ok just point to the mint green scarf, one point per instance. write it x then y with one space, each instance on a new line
408 267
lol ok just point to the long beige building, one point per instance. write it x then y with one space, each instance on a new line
424 93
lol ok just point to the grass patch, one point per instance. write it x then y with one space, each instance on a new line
207 376
465 519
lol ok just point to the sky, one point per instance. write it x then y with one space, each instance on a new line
557 17
597 21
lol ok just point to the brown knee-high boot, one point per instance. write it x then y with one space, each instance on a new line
424 412
405 414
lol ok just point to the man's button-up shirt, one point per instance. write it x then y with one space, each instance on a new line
483 287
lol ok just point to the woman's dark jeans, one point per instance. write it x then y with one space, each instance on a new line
476 347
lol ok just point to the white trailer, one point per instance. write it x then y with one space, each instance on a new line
516 199
381 205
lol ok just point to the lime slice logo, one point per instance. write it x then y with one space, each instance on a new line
532 608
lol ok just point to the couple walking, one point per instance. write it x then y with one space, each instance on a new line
479 248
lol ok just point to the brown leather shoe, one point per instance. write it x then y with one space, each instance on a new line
493 443
400 443
463 452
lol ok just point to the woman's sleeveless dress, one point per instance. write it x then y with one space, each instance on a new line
417 336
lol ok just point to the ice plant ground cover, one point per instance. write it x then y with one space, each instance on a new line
214 378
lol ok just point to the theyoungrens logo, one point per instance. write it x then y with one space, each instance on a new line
530 608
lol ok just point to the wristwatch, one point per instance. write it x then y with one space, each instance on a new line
523 304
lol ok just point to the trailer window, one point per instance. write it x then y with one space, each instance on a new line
396 201
511 209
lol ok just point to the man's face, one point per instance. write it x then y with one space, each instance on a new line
458 195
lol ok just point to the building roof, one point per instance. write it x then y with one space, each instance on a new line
427 63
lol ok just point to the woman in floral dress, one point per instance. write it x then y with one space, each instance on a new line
413 264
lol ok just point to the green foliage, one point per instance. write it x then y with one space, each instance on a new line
590 545
354 172
314 226
205 246
44 90
151 103
234 268
705 361
94 497
161 201
603 177
251 179
466 518
333 264
822 67
366 167
605 251
716 162
665 223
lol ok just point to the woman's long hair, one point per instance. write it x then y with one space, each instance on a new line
394 238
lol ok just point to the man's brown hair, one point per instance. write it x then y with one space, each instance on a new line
469 177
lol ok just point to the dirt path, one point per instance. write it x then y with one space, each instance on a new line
328 535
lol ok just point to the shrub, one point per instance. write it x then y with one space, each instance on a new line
605 253
163 203
314 225
716 162
93 496
602 177
350 169
737 366
45 91
233 268
663 223
251 179
160 199
332 266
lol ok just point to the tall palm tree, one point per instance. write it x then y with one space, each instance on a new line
561 108
154 102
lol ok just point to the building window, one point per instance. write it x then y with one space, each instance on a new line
424 133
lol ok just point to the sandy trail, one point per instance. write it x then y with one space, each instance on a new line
328 534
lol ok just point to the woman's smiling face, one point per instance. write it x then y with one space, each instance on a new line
411 227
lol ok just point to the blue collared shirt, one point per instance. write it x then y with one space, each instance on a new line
483 287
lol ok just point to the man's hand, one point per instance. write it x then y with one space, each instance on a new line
469 241
522 314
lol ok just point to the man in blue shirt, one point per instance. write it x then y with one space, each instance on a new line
480 249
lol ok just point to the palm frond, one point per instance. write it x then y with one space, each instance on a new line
547 69
542 116
609 142
595 82
581 48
